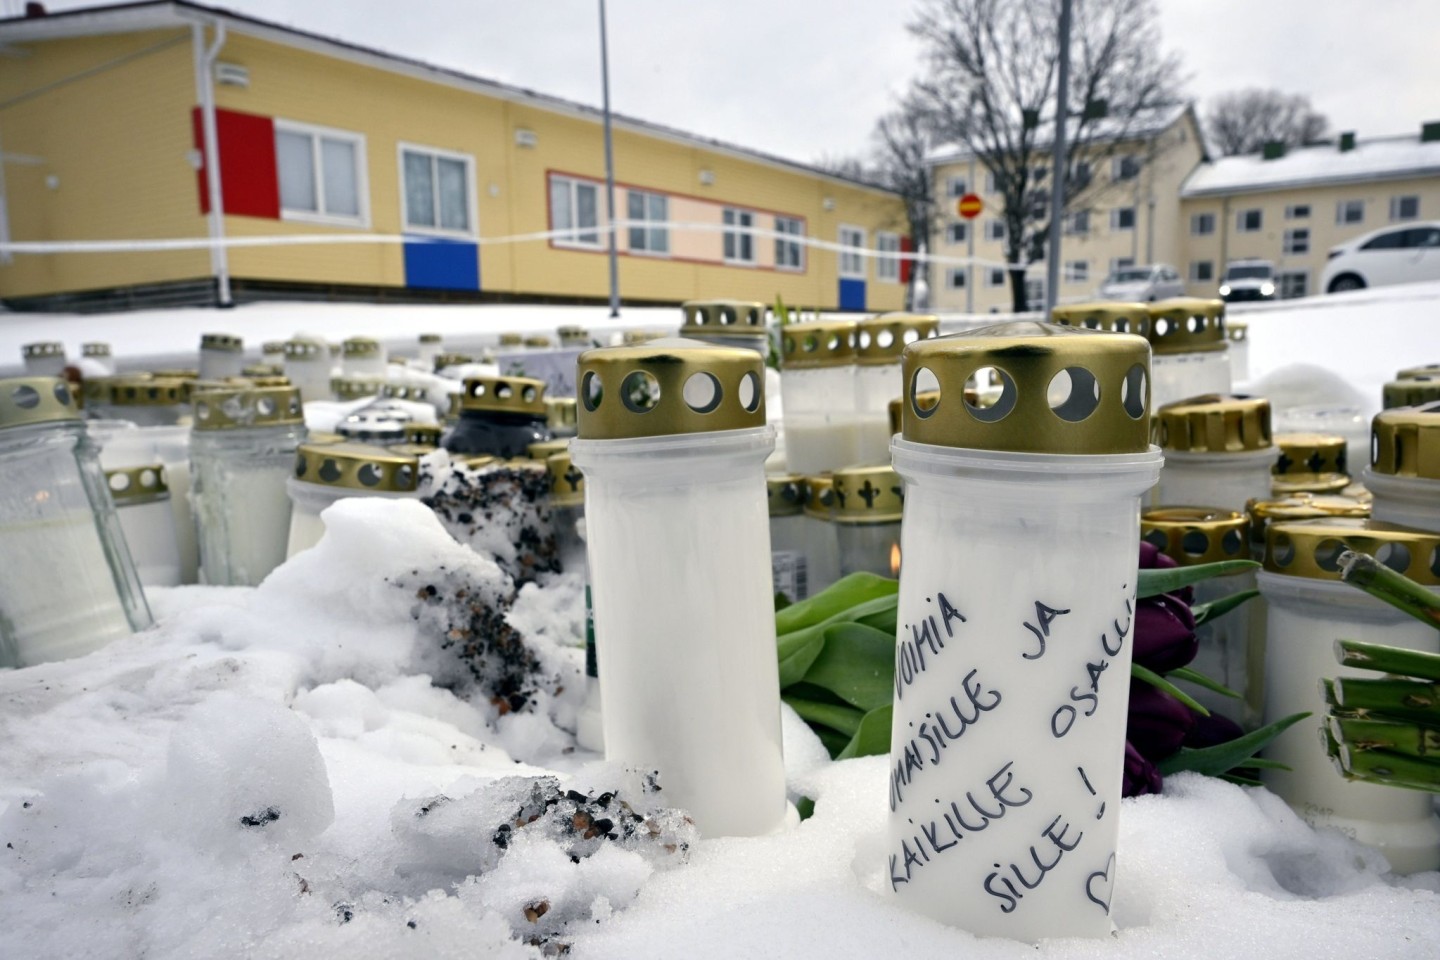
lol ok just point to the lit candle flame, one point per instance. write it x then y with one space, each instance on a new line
894 559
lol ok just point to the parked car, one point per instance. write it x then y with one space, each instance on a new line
1248 280
1154 282
1405 254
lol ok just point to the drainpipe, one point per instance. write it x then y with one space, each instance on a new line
205 88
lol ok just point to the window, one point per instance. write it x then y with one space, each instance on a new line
1248 221
1391 240
1077 271
1202 271
789 254
321 173
1404 208
955 278
437 194
991 184
994 229
1297 211
887 268
1126 167
647 208
739 242
852 262
1081 178
995 277
1422 237
957 232
1202 224
955 187
1296 241
1077 224
1350 211
1038 174
1122 218
574 207
1121 263
1293 283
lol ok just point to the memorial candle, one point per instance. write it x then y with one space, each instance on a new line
868 502
878 343
1218 452
789 572
727 323
45 359
499 416
1404 471
1309 463
817 383
327 472
822 544
221 356
1192 355
307 365
362 357
431 346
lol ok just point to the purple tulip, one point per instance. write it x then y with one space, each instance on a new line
1141 777
1152 559
1212 731
1158 723
1164 633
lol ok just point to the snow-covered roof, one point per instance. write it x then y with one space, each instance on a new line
1382 158
1146 124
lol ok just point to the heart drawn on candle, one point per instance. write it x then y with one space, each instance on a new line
1105 876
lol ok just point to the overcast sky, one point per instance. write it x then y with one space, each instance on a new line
807 78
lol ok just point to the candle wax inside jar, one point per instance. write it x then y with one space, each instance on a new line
822 554
150 533
815 443
244 517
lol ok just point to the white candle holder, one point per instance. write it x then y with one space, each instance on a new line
327 472
725 323
242 451
272 352
68 585
431 345
878 343
1017 599
567 519
822 541
868 505
45 359
144 400
1309 609
573 335
101 355
221 356
789 571
362 357
307 366
142 501
1237 334
1218 452
1404 471
1191 349
817 385
672 444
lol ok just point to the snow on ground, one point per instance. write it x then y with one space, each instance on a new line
305 768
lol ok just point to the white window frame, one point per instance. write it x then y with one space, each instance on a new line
1202 220
995 230
401 149
955 278
1292 212
1395 205
851 266
783 225
887 267
362 175
1240 216
996 277
742 232
1121 263
1341 212
573 241
1072 225
1288 245
1076 271
1117 167
646 231
1195 266
957 232
956 187
1115 226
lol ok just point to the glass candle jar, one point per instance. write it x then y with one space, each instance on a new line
817 385
1017 599
725 323
272 352
241 453
785 495
362 357
560 416
142 501
431 345
1309 609
868 504
572 335
446 360
1404 472
46 359
307 365
146 401
1191 536
349 389
67 582
221 355
822 541
326 472
672 443
101 355
499 416
1218 452
1192 355
878 343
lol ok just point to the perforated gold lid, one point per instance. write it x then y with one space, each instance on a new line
355 388
356 466
265 371
443 360
430 338
95 349
634 337
405 391
822 343
424 434
1187 325
1100 402
820 495
1237 330
48 348
271 347
544 449
1412 391
1312 548
785 493
136 484
1215 424
1406 442
504 395
572 335
360 347
667 387
306 350
511 340
538 341
246 407
567 483
1424 370
1282 485
1194 535
881 339
1310 453
561 413
27 400
146 391
733 318
1112 316
870 494
224 342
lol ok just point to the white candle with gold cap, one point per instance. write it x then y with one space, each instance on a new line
822 543
1417 389
44 359
1404 471
1310 463
672 443
1191 349
1017 598
727 323
868 504
222 355
789 569
326 472
879 341
1218 452
362 357
817 384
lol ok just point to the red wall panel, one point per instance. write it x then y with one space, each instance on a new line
906 266
249 180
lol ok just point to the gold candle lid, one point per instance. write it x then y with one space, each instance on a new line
137 484
1187 325
225 342
272 346
511 340
27 400
561 413
1237 329
881 339
47 348
360 347
504 395
1309 453
430 338
405 391
733 318
1299 506
146 391
636 337
443 360
423 434
823 343
539 340
1213 423
268 380
241 408
668 387
785 493
299 349
264 370
1312 548
94 349
1282 485
1112 316
572 335
545 449
1405 442
169 374
1412 391
567 483
820 495
871 494
1064 390
1425 370
356 466
1196 535
355 388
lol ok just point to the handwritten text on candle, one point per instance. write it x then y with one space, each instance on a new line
955 823
911 656
1063 719
942 726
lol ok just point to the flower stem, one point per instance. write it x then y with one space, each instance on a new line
1370 734
1391 769
1397 660
1402 699
1378 580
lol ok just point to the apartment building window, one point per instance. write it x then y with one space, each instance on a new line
1404 208
955 278
789 254
1202 271
957 232
1122 218
648 208
321 173
1081 177
995 277
887 268
739 242
1297 211
1248 221
955 187
1296 241
994 229
1125 167
574 207
1121 263
991 183
436 196
1294 283
1202 224
1077 224
852 262
1350 212
1077 271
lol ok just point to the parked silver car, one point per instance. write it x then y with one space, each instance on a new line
1157 281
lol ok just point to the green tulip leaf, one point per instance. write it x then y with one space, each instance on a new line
1205 612
1155 680
857 664
873 737
835 741
1215 761
840 596
1156 580
797 652
844 719
1200 680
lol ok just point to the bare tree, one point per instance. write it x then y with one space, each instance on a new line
990 88
1244 121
